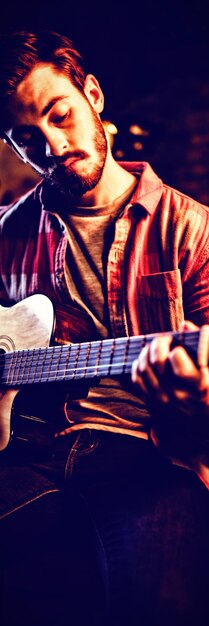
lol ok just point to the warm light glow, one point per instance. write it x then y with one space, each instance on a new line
119 154
137 145
135 129
111 128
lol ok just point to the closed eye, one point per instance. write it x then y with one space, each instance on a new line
24 142
60 119
27 137
23 138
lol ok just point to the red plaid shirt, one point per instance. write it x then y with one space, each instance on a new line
158 264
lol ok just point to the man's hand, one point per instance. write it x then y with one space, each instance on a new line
177 393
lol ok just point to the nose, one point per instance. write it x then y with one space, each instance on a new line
58 150
56 144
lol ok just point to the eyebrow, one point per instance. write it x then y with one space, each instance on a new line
26 127
51 103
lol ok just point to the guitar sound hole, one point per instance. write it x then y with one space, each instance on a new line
6 344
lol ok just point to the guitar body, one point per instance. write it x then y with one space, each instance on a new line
26 325
31 412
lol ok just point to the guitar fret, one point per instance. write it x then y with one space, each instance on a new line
88 351
112 350
52 365
82 360
11 368
34 365
49 365
31 370
68 354
126 355
42 365
25 366
132 352
99 352
61 364
108 357
92 355
18 371
57 359
116 358
77 352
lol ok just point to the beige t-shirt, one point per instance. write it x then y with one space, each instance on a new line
90 233
112 404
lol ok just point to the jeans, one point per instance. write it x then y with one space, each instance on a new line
106 532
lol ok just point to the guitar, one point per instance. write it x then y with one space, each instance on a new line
27 358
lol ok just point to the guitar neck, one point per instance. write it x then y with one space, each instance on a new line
108 357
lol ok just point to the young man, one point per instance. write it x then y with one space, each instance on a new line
120 508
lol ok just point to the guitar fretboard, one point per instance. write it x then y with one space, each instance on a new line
108 357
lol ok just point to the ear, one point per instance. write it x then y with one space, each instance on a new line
94 93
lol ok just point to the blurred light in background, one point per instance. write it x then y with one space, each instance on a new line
137 145
119 154
110 130
135 129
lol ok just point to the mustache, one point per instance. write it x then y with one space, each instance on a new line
52 163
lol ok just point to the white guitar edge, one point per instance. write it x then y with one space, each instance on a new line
26 325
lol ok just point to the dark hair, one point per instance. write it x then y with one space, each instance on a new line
21 51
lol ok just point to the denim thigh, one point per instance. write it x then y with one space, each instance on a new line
152 518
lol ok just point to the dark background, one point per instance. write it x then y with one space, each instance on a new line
152 60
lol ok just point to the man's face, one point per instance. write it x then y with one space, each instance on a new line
57 129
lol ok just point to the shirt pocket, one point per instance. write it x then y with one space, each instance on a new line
160 302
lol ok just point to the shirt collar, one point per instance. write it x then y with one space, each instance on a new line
149 189
147 193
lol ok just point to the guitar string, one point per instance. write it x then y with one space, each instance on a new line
107 346
35 362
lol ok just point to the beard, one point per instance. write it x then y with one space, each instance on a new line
66 181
